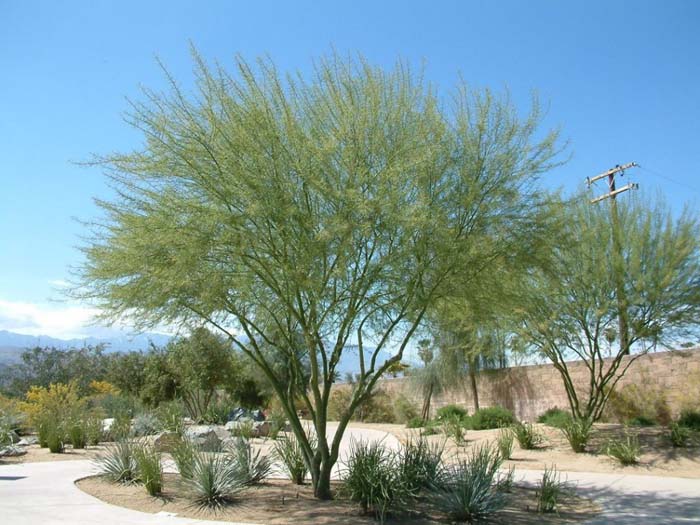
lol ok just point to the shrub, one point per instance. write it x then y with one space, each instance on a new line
550 490
171 416
93 430
253 468
278 421
527 435
214 480
450 412
420 465
577 433
77 435
377 408
690 419
471 489
641 421
148 467
289 451
121 427
505 444
54 435
644 400
453 428
183 454
404 409
555 417
217 412
118 463
373 480
492 417
416 422
679 435
244 429
145 424
431 428
626 450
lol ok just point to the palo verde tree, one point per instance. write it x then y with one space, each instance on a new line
571 311
335 207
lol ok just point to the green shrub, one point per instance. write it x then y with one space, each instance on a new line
453 428
77 435
148 468
278 421
420 465
578 433
373 480
404 409
555 417
93 430
215 480
118 463
171 416
378 408
625 450
121 427
416 422
55 436
244 429
505 444
450 412
471 488
690 419
645 400
492 417
431 428
183 454
145 424
679 435
289 451
217 412
527 435
550 490
641 421
252 466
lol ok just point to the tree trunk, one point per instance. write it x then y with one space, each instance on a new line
425 414
472 381
322 490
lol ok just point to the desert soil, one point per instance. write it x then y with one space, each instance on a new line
282 503
658 457
36 454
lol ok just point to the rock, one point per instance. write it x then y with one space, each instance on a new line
258 415
12 451
27 441
107 424
261 429
204 436
165 441
240 414
244 426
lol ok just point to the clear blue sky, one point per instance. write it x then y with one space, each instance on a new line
621 78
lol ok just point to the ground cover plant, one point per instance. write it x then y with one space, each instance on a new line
577 433
492 417
550 490
555 417
625 450
527 435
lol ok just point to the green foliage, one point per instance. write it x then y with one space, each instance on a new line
118 463
278 421
450 412
121 427
578 433
170 416
76 434
149 467
253 467
454 428
679 435
183 454
555 417
54 435
471 490
505 444
416 422
642 404
93 430
625 450
690 419
492 417
373 479
244 429
420 465
290 452
404 409
641 421
527 435
550 490
145 424
215 480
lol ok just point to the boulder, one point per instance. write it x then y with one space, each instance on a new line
204 436
12 451
27 441
107 424
165 441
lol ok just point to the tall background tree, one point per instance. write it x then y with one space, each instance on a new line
336 208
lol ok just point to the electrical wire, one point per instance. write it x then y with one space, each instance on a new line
669 179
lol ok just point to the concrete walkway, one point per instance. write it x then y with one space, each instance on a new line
45 494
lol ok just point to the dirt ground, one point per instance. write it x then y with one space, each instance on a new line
658 457
36 454
282 503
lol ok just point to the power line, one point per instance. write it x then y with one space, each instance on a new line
669 179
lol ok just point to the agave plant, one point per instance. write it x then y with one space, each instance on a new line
214 480
118 463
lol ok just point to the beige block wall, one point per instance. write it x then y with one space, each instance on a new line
530 390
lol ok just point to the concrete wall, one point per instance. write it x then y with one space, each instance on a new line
530 390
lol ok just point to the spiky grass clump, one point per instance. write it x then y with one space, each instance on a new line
550 490
118 463
626 451
577 433
289 451
54 436
184 454
453 427
504 443
149 467
679 435
373 479
215 480
527 435
77 435
420 465
472 489
253 467
93 430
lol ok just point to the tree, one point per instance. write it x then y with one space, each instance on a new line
571 310
335 209
429 378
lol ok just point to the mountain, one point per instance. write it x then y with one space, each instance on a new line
350 360
10 341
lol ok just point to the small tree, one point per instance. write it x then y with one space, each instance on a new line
300 217
571 311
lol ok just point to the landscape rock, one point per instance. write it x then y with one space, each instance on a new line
107 424
27 441
204 436
12 451
258 428
240 414
165 441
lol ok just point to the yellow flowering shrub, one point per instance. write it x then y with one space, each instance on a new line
101 388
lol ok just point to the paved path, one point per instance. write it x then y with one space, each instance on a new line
45 494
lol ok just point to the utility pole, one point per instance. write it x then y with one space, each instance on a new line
618 261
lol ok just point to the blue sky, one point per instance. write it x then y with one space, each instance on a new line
620 78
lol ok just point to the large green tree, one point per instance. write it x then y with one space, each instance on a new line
299 215
571 312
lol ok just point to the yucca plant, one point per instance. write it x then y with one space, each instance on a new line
504 443
625 450
215 480
148 467
252 466
577 433
551 488
471 490
289 451
527 435
372 478
118 463
184 454
420 464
